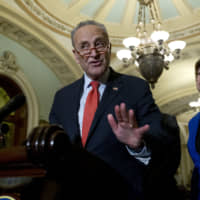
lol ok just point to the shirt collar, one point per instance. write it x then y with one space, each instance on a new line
102 80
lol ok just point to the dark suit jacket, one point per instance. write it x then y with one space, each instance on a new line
160 182
101 142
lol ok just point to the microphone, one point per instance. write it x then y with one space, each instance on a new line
12 105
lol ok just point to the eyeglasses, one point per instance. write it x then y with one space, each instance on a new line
101 47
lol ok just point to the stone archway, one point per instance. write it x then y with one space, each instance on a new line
14 82
15 121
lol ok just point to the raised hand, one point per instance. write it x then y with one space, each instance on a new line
125 127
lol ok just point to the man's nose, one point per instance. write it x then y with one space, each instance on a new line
93 51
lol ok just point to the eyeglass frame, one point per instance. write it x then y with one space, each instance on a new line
94 48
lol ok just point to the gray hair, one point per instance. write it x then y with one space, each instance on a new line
88 22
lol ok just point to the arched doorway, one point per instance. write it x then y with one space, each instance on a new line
15 121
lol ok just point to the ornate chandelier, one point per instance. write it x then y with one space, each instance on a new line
151 53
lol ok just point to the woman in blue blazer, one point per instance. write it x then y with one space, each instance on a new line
194 143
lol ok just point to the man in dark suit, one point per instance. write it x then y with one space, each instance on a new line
115 137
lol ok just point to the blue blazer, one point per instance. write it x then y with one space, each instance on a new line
101 141
193 131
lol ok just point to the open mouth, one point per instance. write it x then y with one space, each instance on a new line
96 63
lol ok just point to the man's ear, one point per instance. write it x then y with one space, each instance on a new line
76 56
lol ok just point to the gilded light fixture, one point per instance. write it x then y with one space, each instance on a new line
151 53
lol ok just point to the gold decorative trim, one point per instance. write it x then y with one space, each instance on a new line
38 48
188 32
39 13
42 15
8 62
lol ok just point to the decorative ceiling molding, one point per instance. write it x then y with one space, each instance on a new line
179 105
191 31
37 47
44 16
35 10
8 62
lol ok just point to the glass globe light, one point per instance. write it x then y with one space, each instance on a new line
159 35
124 54
178 44
169 58
194 104
131 42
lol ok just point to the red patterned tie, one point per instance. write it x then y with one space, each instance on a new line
90 109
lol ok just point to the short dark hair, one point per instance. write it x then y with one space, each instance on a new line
197 66
88 22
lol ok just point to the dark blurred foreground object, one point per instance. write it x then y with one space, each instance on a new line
160 182
58 169
4 128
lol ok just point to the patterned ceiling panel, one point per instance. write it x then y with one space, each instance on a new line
171 10
194 3
168 8
92 7
67 1
116 12
120 17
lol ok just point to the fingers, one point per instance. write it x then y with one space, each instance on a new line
112 122
118 113
132 120
143 129
125 117
125 127
123 112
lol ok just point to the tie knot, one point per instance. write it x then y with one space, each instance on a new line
94 84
